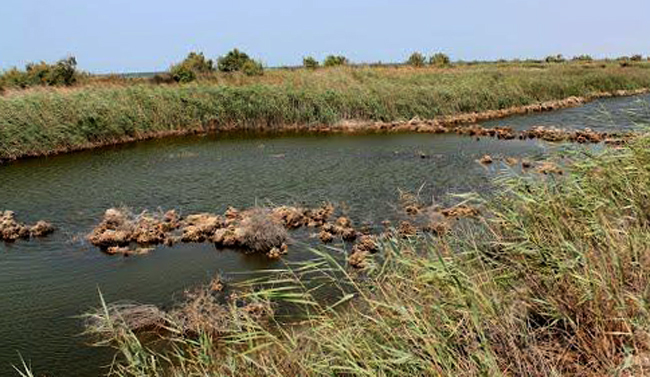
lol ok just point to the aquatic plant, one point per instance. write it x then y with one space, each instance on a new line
554 283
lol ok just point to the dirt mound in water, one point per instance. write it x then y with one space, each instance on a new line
12 230
256 230
120 227
361 250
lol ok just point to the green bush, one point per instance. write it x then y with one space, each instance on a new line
636 58
439 59
62 73
582 58
555 59
182 73
233 61
253 68
416 60
335 60
310 63
193 65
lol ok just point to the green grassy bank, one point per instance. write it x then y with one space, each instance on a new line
554 282
49 120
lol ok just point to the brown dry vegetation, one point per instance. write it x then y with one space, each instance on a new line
554 283
12 230
47 121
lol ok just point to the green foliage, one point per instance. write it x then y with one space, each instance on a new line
253 68
439 59
194 65
41 122
310 63
552 282
636 58
335 61
182 73
555 59
233 61
62 73
416 60
583 58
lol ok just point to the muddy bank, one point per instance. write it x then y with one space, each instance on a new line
11 230
444 124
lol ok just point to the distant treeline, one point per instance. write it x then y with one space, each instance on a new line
196 66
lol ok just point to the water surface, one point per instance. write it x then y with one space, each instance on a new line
44 284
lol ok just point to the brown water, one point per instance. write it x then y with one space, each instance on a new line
45 284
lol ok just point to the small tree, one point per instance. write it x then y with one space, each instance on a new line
310 63
416 60
555 59
582 58
439 59
253 68
193 65
636 58
335 60
64 72
233 61
182 73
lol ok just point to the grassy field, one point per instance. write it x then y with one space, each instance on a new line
101 111
553 282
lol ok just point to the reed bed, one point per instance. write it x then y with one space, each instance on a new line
44 121
552 281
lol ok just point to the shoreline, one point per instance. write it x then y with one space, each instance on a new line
444 124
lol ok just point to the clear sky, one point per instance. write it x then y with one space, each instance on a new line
148 35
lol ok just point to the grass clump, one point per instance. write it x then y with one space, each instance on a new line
554 282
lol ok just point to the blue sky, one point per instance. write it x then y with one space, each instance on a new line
148 35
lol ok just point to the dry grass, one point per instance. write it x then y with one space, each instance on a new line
51 120
554 283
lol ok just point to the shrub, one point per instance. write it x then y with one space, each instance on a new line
439 59
193 65
416 60
583 58
15 78
636 58
555 59
182 73
233 61
62 73
162 78
253 68
335 60
310 63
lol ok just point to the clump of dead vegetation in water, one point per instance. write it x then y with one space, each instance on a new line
11 230
255 230
556 284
